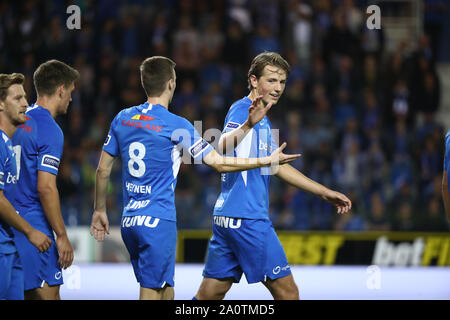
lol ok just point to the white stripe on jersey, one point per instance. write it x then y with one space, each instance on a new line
176 159
243 151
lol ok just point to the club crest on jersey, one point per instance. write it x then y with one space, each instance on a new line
198 147
50 162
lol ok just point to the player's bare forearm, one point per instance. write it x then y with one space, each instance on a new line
231 164
49 198
101 189
102 180
295 178
10 216
230 140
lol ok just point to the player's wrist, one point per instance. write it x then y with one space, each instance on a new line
247 125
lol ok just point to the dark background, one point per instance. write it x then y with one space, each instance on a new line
362 116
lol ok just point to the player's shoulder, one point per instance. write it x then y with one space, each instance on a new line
42 117
241 104
5 145
240 107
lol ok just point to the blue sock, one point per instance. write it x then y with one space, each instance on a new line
194 298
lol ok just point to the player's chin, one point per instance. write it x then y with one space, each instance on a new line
21 119
273 100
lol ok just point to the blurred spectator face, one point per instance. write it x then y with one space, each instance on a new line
271 84
405 211
293 120
345 64
377 206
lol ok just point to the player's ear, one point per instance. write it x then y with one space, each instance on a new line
171 84
254 81
2 105
60 91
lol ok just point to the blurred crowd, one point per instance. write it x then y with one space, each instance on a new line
362 117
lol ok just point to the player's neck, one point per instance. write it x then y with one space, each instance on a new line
159 100
7 127
253 94
48 103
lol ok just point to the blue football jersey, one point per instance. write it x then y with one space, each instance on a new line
150 139
39 146
245 194
8 180
447 157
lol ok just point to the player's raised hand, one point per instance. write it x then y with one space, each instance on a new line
278 157
342 203
257 111
99 225
39 240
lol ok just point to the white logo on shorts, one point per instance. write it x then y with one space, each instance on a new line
58 275
277 269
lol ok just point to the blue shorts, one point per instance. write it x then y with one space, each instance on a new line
11 277
245 246
38 267
151 243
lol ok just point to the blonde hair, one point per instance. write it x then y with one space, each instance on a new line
266 59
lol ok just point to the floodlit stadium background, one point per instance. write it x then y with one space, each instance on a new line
367 109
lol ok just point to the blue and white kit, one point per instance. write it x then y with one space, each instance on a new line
39 146
244 240
150 140
11 275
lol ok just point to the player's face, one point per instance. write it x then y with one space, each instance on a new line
271 84
66 97
15 104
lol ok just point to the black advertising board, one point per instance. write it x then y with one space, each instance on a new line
339 248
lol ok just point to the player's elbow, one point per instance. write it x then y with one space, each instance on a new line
216 165
221 145
215 161
103 172
45 188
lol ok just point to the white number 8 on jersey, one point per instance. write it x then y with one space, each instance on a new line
136 159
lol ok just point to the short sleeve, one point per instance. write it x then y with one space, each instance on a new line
50 148
111 144
191 141
235 118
